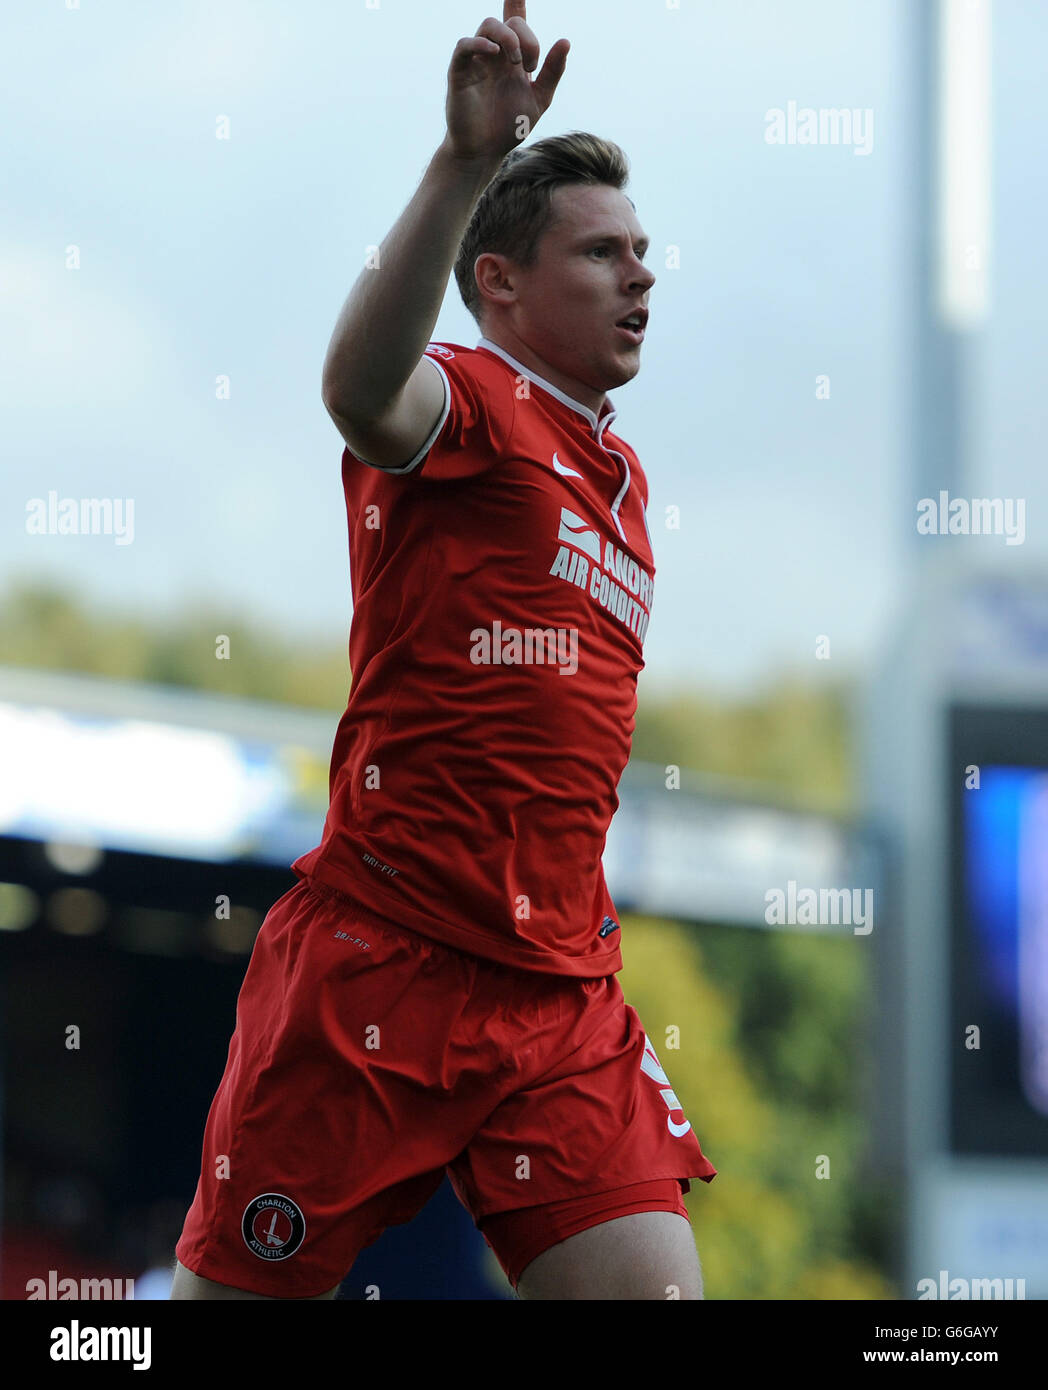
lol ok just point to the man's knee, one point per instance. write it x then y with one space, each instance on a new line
187 1285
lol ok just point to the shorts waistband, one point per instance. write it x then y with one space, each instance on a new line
375 920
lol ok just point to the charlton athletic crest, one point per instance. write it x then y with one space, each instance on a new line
273 1226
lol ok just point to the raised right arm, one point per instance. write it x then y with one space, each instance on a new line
383 394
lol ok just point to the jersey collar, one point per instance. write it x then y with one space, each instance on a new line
598 425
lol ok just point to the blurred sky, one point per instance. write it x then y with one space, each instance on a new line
201 256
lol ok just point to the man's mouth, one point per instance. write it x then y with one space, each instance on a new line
633 325
633 333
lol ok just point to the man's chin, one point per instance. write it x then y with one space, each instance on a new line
624 369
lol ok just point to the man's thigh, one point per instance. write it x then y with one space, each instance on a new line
187 1285
592 1118
650 1254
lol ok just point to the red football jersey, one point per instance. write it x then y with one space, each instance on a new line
502 581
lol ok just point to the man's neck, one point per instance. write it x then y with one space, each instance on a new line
597 401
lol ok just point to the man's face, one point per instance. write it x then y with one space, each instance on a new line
588 277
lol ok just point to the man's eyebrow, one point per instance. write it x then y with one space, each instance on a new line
595 237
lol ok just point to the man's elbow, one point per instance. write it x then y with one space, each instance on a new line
334 399
328 391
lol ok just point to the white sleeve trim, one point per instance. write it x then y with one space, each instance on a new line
414 463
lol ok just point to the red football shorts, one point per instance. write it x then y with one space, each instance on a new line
367 1061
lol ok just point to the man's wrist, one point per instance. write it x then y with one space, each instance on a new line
479 171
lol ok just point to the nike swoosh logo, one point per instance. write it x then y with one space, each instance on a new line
563 469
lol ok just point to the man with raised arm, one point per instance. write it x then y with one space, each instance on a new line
438 994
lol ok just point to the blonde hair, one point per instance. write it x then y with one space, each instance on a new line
516 208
